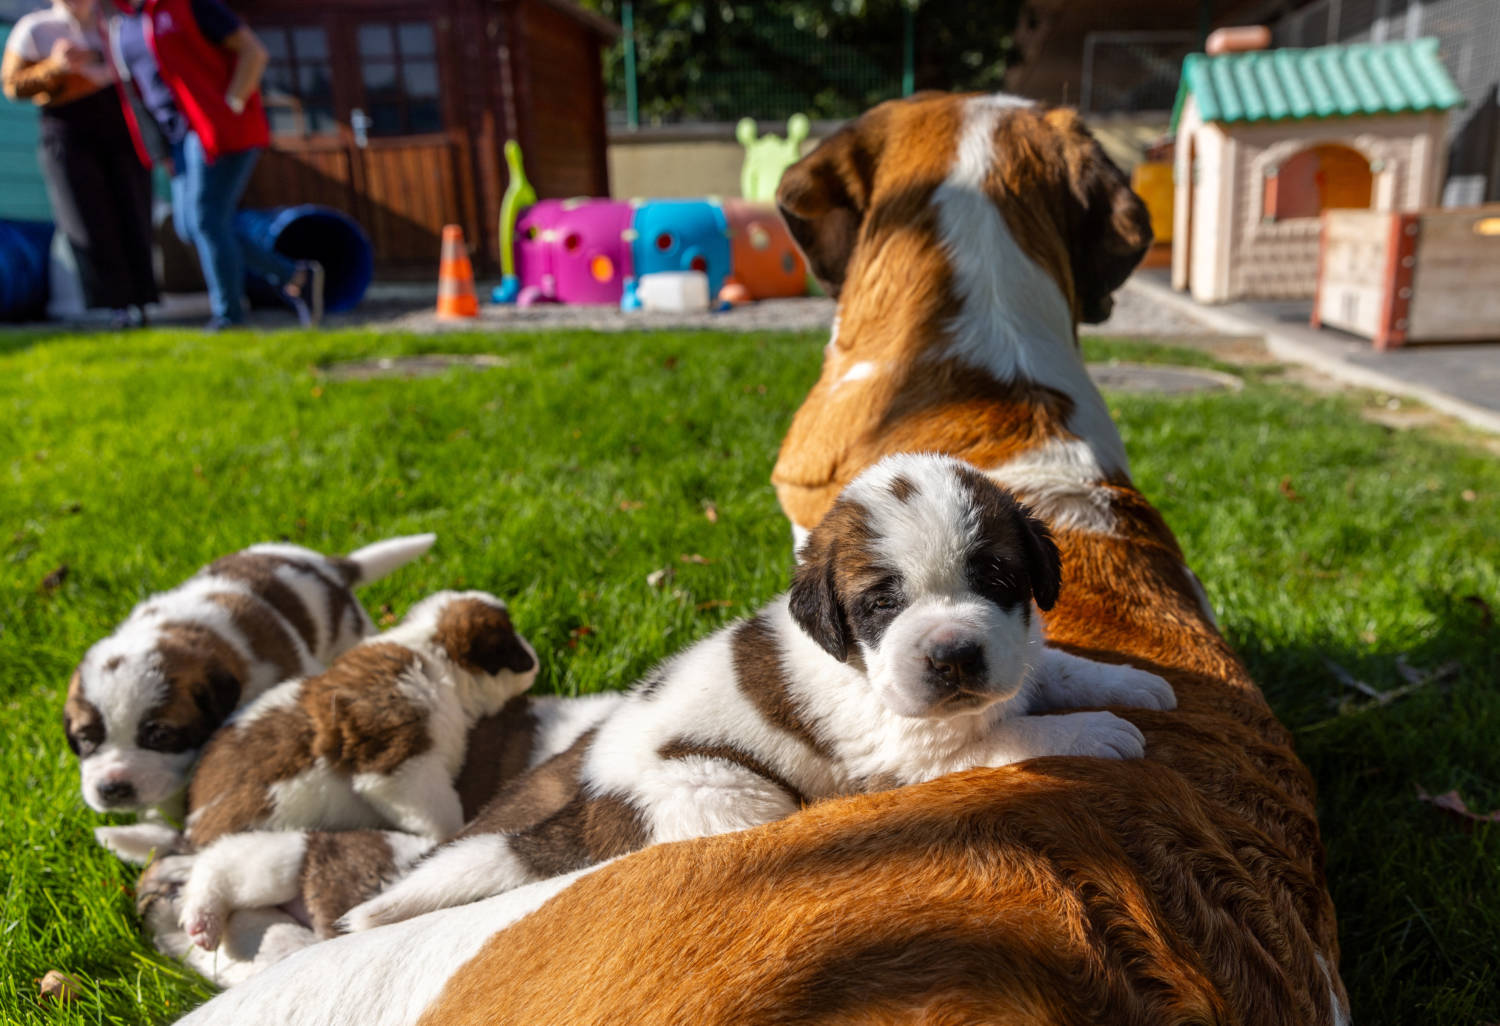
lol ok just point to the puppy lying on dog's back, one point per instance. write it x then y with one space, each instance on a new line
143 701
907 648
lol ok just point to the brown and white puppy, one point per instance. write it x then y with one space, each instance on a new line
144 700
279 891
908 647
376 740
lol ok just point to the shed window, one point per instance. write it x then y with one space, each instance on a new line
1316 179
298 83
399 69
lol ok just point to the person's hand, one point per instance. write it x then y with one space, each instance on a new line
70 56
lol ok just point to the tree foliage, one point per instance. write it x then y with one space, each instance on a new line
718 60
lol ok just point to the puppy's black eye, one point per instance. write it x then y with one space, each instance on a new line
882 602
84 740
162 737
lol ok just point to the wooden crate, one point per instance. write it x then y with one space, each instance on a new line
1423 276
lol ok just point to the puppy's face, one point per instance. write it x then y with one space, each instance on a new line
141 705
926 571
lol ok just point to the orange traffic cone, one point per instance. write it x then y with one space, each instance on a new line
456 277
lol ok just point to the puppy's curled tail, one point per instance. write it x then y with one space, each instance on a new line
375 561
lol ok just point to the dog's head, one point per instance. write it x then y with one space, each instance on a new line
924 169
926 571
473 630
140 706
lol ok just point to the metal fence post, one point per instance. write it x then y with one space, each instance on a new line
632 101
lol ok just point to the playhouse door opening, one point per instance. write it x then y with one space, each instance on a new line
1319 178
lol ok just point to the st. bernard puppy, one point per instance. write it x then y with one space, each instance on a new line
376 740
276 892
908 647
966 237
144 700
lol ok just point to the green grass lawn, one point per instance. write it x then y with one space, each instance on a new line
562 478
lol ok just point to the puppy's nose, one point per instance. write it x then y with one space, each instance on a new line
117 792
957 662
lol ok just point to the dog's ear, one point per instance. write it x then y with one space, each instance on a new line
1109 230
814 601
1043 562
218 694
823 199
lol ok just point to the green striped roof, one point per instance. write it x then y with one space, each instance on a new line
1323 82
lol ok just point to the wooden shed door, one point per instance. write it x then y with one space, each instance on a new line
360 122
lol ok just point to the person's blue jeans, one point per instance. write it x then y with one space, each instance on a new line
204 199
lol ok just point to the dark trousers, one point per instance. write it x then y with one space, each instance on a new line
101 199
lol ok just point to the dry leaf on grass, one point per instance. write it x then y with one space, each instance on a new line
711 512
1453 804
693 557
58 986
54 580
631 505
1288 490
659 578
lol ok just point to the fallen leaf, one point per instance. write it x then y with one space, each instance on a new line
659 578
1288 490
711 512
715 604
1468 495
1453 804
387 615
54 580
317 391
1486 614
58 986
670 363
631 505
693 557
578 633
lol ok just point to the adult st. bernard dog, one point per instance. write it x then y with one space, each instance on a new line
965 236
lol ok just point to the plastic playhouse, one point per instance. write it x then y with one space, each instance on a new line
1267 140
602 251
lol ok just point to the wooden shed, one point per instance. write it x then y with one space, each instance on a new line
1268 140
395 111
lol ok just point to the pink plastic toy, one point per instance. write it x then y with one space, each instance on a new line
573 251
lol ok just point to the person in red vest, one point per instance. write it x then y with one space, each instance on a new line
189 79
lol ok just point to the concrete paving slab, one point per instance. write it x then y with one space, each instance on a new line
1460 380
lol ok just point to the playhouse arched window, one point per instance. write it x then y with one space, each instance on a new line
1322 177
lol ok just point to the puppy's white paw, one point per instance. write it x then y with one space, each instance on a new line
203 926
1104 735
136 843
1138 689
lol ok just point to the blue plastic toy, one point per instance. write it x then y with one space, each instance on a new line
682 235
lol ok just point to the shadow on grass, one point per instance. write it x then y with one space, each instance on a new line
1415 886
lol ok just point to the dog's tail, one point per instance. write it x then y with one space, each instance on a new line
375 561
465 870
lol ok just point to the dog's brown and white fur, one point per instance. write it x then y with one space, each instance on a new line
276 892
966 237
144 700
376 740
907 647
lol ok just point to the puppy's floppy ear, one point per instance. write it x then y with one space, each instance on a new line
1109 230
814 602
823 199
218 694
1043 562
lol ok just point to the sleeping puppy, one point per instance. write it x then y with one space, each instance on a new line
907 648
276 892
376 740
144 700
